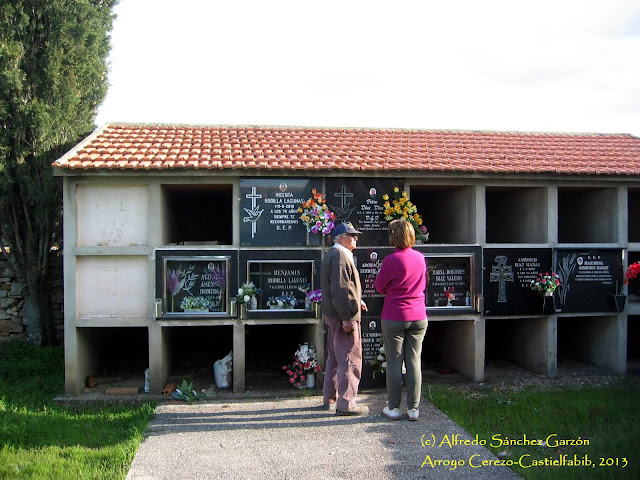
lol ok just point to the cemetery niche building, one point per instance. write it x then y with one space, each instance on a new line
163 224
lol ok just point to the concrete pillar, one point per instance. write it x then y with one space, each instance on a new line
239 357
159 358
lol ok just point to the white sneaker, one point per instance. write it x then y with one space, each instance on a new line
391 413
413 414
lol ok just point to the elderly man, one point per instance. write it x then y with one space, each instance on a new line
341 304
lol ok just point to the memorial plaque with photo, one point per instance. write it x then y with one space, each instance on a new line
450 281
588 279
371 341
269 211
196 285
369 260
282 284
507 280
359 201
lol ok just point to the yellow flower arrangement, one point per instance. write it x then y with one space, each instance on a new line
400 207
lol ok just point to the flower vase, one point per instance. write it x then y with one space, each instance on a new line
253 303
548 304
316 310
313 239
311 380
619 302
308 305
243 311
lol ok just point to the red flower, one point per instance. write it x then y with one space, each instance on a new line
632 272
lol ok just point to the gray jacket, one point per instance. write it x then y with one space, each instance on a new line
340 283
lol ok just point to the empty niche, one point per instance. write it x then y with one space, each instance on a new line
516 214
119 353
448 212
634 213
194 350
587 215
200 214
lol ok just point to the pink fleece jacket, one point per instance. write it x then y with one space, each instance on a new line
403 279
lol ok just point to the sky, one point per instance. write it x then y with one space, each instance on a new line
543 66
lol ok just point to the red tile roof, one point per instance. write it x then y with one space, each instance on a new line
161 147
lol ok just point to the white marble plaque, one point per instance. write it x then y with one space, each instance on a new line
112 215
112 286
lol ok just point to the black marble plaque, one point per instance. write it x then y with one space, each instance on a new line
277 278
371 341
450 281
359 201
588 279
183 273
507 280
369 260
269 211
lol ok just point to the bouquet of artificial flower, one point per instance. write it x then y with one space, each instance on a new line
400 208
195 303
316 214
246 291
315 296
632 272
283 301
305 361
380 362
545 283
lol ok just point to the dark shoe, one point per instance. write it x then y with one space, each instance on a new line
357 410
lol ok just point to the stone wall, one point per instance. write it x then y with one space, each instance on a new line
13 317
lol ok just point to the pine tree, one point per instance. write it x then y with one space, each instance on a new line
53 77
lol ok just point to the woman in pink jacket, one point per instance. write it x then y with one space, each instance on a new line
403 280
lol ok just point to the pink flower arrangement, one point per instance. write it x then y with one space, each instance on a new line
305 361
545 283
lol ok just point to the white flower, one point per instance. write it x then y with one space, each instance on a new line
381 358
240 292
382 349
384 364
246 298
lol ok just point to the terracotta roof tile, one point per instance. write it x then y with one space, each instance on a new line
160 147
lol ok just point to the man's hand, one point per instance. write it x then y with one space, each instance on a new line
348 327
363 306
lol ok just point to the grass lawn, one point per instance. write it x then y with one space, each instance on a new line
596 424
41 440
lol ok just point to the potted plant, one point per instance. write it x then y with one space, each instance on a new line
400 208
314 298
546 284
284 301
305 364
195 304
315 214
